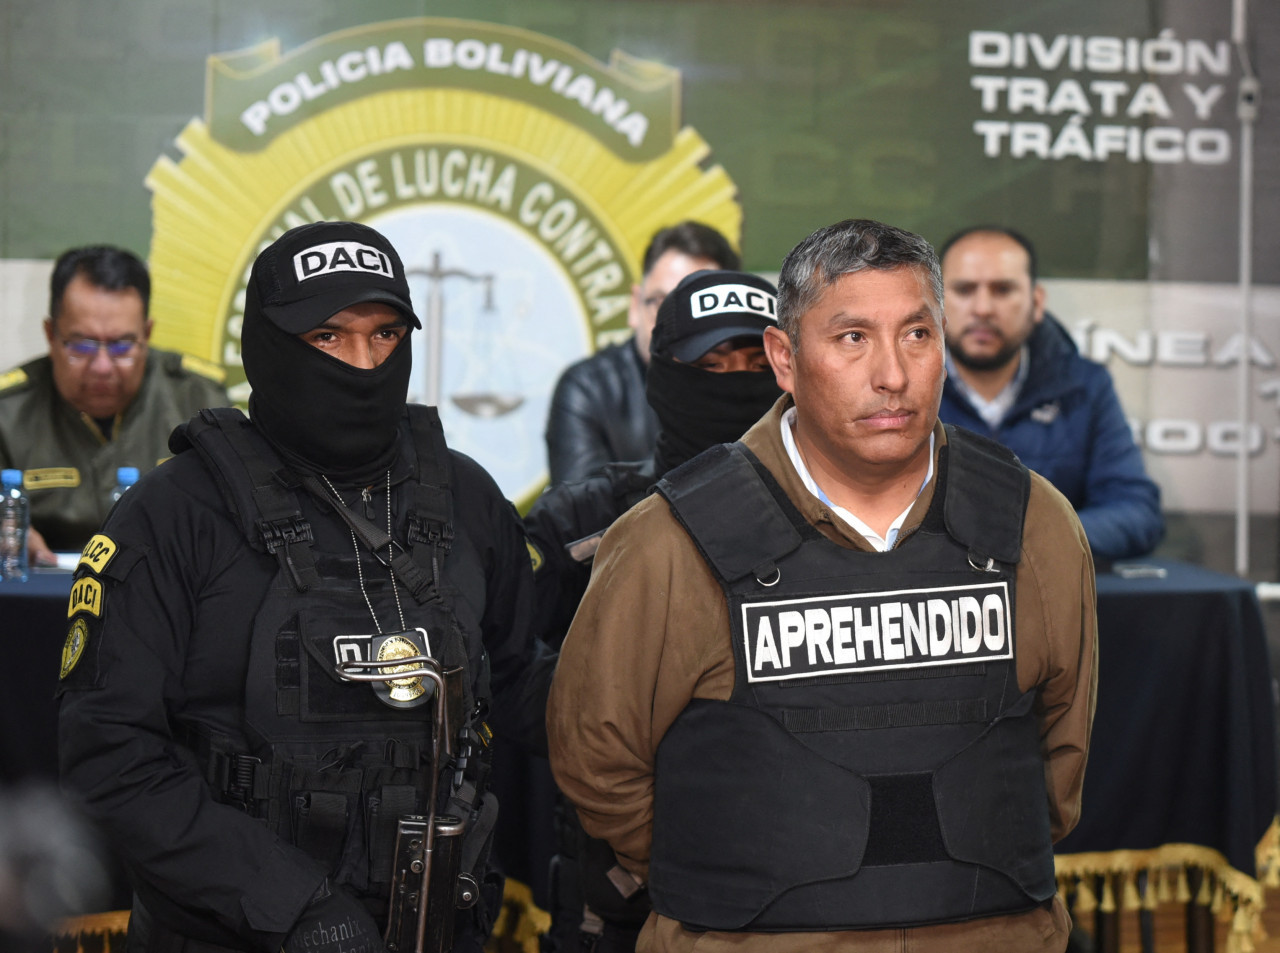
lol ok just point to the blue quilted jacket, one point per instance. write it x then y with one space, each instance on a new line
1068 426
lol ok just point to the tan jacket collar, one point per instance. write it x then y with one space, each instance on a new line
764 439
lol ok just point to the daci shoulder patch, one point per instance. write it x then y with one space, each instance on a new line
875 631
73 648
86 598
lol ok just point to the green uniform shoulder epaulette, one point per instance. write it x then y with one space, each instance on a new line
179 364
13 380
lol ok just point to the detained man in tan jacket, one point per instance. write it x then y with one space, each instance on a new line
831 688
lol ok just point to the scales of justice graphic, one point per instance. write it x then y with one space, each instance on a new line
477 403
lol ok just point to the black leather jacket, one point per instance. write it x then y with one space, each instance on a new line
599 414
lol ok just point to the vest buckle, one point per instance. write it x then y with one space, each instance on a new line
240 787
431 532
284 532
280 536
981 564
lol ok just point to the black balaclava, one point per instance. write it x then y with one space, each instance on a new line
324 415
698 409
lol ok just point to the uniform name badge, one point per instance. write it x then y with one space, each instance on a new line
407 691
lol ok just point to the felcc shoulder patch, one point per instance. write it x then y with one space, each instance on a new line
98 553
103 563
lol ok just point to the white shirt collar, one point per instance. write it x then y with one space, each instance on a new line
993 411
879 544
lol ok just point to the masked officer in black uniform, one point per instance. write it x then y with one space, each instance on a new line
251 791
708 381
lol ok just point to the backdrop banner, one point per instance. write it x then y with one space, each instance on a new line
521 155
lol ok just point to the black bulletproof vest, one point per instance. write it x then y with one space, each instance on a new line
876 765
327 763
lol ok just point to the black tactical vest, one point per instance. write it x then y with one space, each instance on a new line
329 764
876 765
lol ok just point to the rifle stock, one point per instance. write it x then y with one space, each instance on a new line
426 887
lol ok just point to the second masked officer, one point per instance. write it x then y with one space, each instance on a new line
253 793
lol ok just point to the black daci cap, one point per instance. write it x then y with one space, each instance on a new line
313 271
708 308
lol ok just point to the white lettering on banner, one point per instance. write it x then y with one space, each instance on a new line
350 67
1171 348
720 299
1149 95
859 632
340 256
1164 54
529 66
1161 144
355 66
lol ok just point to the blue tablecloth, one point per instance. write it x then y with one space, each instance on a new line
33 622
1184 741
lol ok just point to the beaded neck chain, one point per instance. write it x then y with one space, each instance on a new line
395 590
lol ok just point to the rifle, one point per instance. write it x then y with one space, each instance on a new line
427 885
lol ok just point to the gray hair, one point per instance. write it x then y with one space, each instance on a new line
854 245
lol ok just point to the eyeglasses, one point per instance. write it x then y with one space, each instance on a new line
120 351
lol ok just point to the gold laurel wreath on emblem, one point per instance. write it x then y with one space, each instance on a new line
212 208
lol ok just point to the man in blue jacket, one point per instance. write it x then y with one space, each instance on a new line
1015 375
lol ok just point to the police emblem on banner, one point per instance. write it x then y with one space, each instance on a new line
519 178
876 631
407 691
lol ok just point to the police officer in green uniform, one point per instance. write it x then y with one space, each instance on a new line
101 399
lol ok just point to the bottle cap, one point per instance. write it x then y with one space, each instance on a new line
11 477
127 476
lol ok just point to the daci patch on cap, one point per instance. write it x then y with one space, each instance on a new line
708 308
312 272
325 259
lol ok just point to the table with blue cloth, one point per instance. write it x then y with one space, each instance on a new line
1180 790
33 624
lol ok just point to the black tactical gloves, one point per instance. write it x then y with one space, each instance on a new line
334 922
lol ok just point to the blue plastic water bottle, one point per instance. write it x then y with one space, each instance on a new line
15 521
125 478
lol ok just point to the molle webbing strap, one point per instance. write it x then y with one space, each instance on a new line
321 823
271 518
723 481
900 715
420 585
394 801
431 511
987 490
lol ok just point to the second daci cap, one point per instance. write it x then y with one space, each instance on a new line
313 271
708 308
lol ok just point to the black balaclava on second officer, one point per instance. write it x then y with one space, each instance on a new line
697 408
323 414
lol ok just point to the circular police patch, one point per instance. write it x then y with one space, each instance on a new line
73 648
